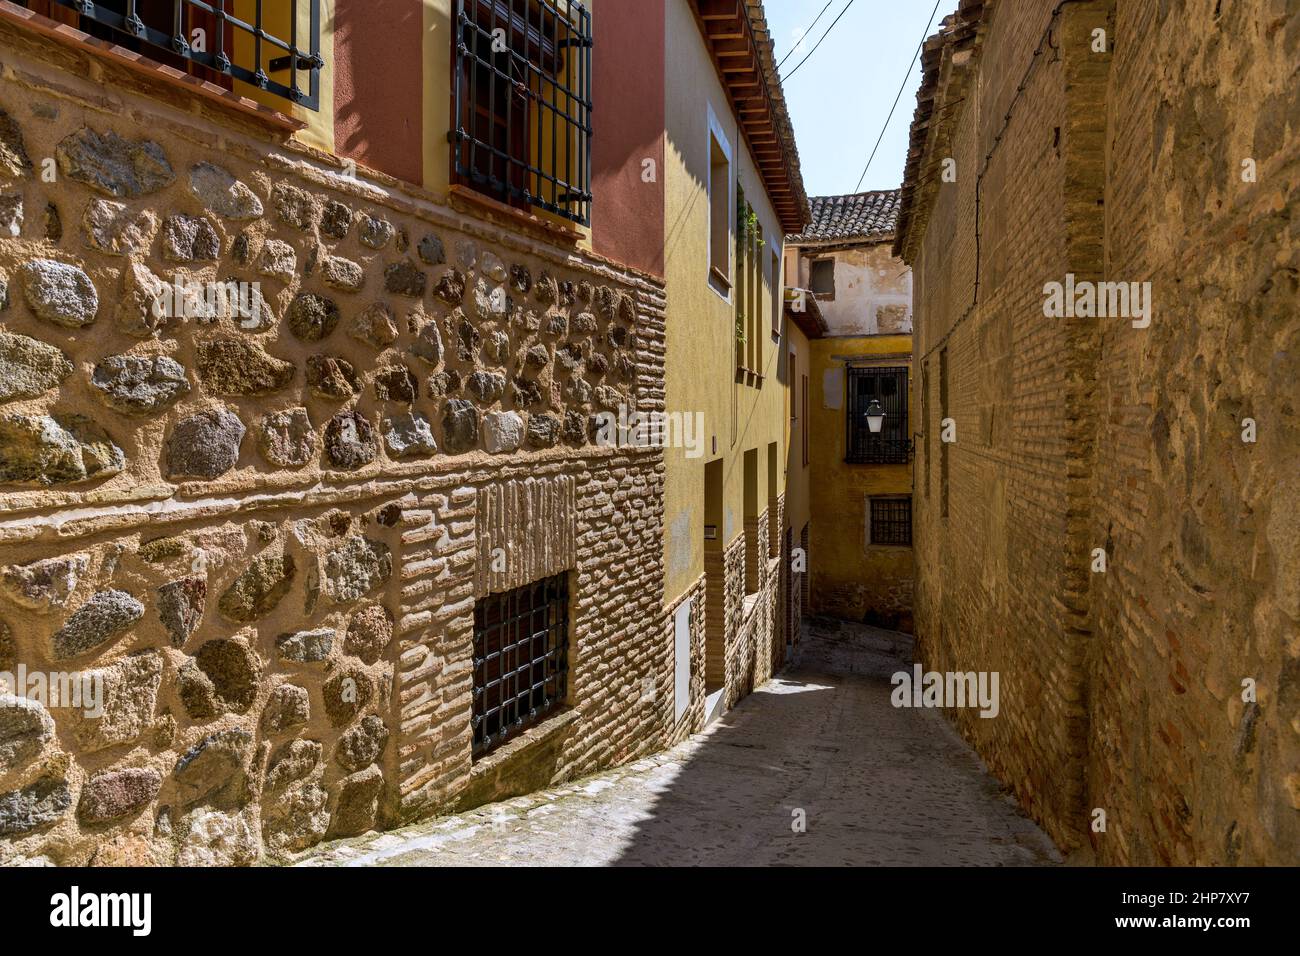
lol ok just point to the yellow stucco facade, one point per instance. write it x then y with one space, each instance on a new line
851 577
319 131
701 365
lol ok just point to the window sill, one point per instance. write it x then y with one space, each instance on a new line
160 73
720 284
463 196
548 729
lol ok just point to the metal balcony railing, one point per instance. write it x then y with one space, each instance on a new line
522 91
233 39
867 449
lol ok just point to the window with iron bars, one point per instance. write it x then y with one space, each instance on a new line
273 45
892 444
521 659
890 521
522 103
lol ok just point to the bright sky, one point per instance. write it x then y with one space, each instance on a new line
840 97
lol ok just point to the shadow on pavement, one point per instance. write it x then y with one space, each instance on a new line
821 746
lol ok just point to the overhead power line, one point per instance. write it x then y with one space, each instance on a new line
818 43
803 36
898 96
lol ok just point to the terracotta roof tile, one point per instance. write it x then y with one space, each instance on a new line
869 215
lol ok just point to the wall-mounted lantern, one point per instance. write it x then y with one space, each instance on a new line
875 416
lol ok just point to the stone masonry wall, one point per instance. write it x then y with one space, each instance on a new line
1122 689
263 530
1203 589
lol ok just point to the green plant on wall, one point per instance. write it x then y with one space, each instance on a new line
747 227
755 234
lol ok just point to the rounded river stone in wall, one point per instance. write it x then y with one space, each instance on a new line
105 616
117 793
28 367
236 366
139 384
312 317
25 728
409 435
287 439
222 193
121 168
369 633
205 445
257 591
59 293
460 425
350 441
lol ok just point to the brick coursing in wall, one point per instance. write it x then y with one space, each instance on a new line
693 716
1121 691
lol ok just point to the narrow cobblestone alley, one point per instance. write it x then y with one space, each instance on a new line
879 785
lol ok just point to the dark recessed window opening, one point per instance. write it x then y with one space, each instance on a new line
891 521
892 444
821 276
272 46
522 103
521 659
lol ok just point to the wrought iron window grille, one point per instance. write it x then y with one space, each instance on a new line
233 46
891 521
522 103
892 445
521 660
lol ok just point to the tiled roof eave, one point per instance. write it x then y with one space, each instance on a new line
938 104
853 218
803 242
736 30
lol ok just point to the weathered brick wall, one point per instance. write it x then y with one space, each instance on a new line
993 571
266 535
1119 691
753 621
739 654
853 578
1203 586
692 718
733 646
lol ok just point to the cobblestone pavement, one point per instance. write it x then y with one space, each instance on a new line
878 785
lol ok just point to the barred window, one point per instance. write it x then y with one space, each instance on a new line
892 444
521 659
890 521
272 46
523 103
